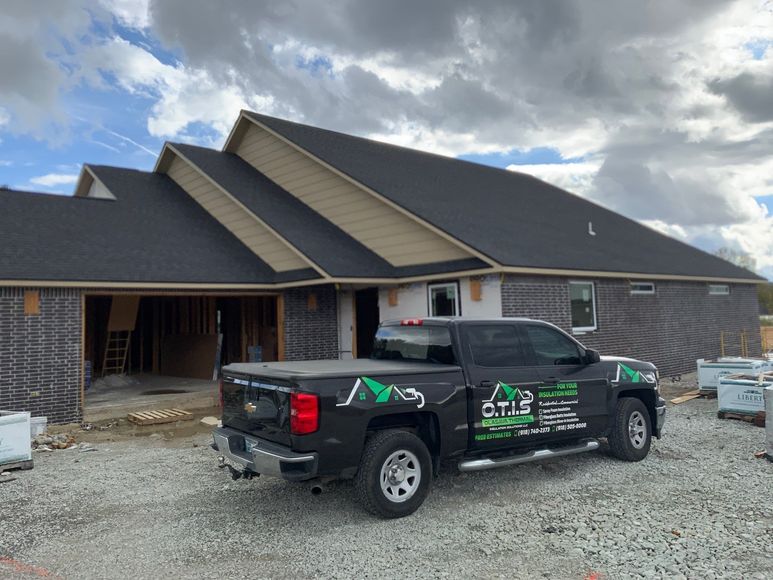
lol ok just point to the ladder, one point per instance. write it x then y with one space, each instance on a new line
116 350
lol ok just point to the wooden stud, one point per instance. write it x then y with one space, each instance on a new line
31 302
212 315
280 327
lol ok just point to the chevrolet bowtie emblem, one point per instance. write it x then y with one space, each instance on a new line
249 407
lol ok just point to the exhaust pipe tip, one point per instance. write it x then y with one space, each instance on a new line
316 490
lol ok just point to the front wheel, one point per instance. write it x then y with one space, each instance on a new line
395 474
631 433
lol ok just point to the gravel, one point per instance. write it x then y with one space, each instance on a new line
700 506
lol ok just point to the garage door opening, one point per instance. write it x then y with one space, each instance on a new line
142 351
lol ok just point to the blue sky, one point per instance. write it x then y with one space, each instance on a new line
663 118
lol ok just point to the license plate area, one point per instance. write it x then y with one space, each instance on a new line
249 445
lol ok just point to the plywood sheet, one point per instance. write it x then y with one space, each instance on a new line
123 313
189 355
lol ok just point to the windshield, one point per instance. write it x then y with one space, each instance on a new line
414 343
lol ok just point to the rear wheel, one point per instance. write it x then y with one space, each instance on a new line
631 435
395 474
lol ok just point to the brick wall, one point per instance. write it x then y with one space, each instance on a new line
672 328
40 355
311 334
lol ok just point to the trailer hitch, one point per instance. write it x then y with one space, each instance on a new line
236 473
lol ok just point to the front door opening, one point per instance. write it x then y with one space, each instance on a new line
367 314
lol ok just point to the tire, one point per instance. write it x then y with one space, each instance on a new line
631 433
395 474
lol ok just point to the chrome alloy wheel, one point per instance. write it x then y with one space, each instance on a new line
400 476
637 429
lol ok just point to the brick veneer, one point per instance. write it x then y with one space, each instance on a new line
311 334
672 328
40 355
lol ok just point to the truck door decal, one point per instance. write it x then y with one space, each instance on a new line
366 387
513 412
507 406
626 374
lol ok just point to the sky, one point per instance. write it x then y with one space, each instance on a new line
659 110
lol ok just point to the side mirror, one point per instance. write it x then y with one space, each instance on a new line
591 356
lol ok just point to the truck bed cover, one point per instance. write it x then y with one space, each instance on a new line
290 370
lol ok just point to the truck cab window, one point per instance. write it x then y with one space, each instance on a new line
495 345
551 347
414 343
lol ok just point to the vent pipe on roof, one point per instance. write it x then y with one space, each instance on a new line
590 229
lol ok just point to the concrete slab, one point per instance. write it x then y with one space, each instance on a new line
115 397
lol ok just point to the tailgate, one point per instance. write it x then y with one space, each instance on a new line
257 405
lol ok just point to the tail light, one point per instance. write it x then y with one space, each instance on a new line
220 393
304 413
411 322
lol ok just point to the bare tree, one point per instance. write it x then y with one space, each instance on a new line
737 257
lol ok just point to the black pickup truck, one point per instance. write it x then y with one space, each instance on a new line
481 393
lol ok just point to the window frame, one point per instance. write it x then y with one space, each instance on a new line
650 292
715 286
584 329
457 297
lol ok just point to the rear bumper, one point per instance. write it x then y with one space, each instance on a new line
660 417
264 457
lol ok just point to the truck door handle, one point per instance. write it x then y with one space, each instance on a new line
550 381
486 384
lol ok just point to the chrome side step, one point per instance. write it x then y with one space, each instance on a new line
535 455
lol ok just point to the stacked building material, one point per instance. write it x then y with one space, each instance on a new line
743 393
710 371
15 449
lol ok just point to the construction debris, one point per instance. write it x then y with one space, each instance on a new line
160 416
686 397
45 442
740 417
92 427
210 421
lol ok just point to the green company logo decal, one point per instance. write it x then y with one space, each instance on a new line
366 388
507 406
626 374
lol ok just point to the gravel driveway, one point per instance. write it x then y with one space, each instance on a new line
700 506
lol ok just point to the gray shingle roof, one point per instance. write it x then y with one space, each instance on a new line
152 232
326 245
511 217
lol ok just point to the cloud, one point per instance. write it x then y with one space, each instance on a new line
576 177
131 13
33 60
663 103
751 95
55 179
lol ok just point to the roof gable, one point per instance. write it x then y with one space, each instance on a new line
337 253
395 234
248 227
513 218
